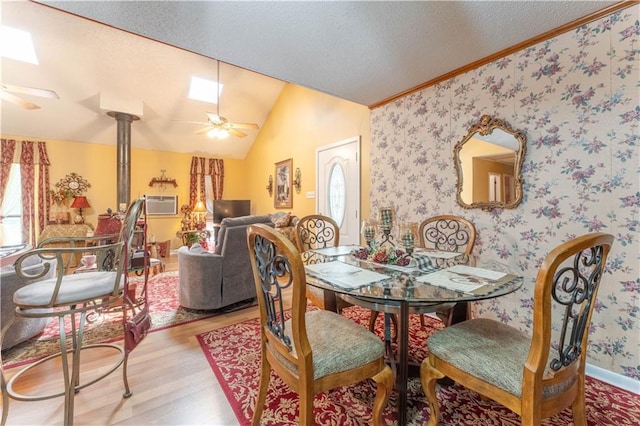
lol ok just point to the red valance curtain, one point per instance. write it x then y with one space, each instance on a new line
34 171
201 167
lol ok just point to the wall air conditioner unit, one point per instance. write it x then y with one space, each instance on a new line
162 205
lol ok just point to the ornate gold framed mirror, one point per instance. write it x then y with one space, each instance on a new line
488 164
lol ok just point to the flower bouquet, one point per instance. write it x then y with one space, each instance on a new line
383 255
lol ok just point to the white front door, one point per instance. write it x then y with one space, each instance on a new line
338 186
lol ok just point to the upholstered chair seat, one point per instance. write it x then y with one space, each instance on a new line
338 344
484 346
74 288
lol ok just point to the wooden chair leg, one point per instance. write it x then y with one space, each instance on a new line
305 417
384 381
428 377
578 406
422 320
262 391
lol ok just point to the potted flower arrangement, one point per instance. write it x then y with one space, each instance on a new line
196 237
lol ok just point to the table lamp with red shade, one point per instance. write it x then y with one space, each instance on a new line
80 202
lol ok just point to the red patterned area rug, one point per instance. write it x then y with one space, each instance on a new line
164 308
234 355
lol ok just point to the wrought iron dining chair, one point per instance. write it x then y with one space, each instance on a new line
73 297
312 351
315 232
447 233
535 376
443 233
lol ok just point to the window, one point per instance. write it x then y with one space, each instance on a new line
337 194
11 210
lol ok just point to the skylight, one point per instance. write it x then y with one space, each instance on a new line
18 45
202 89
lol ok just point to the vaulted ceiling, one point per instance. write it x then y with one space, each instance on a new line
364 52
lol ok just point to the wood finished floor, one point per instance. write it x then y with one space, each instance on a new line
171 381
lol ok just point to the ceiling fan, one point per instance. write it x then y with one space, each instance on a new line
220 127
6 88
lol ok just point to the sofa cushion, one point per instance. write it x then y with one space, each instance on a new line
282 221
230 222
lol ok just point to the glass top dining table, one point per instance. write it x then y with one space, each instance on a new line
432 281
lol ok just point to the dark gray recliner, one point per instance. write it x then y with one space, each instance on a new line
219 279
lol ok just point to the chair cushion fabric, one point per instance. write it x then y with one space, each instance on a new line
487 349
74 288
338 344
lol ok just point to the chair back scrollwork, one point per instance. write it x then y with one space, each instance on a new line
314 232
448 233
574 289
274 272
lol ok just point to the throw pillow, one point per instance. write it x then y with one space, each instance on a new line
282 221
197 248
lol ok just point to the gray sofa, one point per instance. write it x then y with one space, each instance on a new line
219 279
22 328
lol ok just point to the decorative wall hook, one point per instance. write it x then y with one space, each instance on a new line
297 183
270 185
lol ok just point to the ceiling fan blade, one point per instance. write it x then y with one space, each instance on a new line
204 130
44 93
250 126
236 133
18 101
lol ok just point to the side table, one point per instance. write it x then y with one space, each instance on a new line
72 230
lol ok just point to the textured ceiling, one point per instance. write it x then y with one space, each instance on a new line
364 52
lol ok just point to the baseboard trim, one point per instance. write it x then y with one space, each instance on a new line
615 379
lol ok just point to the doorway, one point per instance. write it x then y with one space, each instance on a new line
338 186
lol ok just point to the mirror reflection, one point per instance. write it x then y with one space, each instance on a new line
488 164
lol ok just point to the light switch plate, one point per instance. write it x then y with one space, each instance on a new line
311 194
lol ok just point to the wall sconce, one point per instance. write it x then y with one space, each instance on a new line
270 185
296 180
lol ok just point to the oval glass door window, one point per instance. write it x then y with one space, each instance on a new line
337 194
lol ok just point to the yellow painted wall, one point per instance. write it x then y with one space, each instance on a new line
301 121
98 165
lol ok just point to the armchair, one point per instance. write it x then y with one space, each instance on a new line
222 278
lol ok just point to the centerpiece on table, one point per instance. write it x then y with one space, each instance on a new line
383 254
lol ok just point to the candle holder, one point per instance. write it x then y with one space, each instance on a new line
369 231
407 235
386 215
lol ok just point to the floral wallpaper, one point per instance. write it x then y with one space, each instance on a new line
576 97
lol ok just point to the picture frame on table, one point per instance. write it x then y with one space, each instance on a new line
284 185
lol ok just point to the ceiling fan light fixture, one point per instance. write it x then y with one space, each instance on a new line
223 134
213 133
